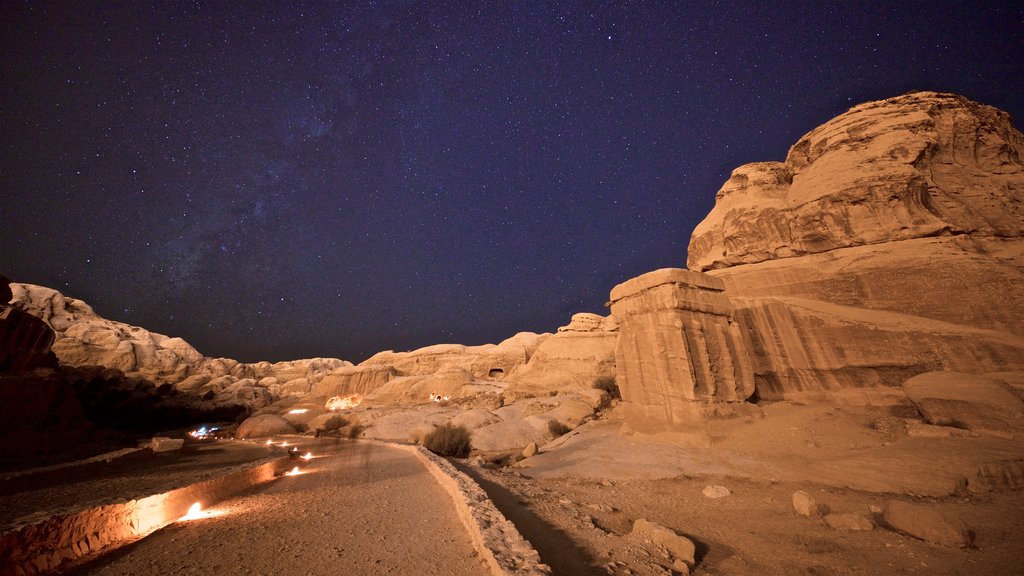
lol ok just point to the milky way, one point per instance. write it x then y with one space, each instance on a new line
274 181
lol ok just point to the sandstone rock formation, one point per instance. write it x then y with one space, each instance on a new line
38 408
24 339
83 338
889 243
925 523
264 425
919 165
572 359
678 347
490 361
966 401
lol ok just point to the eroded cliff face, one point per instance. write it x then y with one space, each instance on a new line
83 338
914 166
889 243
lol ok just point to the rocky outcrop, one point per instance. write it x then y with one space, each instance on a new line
39 412
24 339
678 346
83 338
919 165
810 349
969 401
491 361
354 380
889 243
572 359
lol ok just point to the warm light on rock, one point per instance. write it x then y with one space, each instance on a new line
299 411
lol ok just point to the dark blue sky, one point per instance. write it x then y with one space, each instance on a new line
275 181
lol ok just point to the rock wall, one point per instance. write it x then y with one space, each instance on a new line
809 349
678 345
889 243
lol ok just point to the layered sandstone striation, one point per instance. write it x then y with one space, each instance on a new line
678 346
889 243
919 165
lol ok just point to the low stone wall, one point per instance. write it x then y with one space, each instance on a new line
495 538
44 544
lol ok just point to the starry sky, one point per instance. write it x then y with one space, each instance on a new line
277 180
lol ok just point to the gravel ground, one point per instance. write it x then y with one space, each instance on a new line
365 509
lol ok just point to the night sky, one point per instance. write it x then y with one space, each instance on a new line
276 181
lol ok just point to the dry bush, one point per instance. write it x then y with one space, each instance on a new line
557 428
449 440
607 383
335 422
356 431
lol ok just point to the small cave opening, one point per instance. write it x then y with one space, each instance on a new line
495 373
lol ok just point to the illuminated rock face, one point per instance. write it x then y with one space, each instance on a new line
918 165
889 243
678 347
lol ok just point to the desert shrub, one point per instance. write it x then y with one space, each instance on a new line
449 440
557 428
607 383
300 427
356 431
335 422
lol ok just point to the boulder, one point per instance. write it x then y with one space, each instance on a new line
715 491
968 401
264 425
805 505
407 425
530 450
927 524
679 547
511 435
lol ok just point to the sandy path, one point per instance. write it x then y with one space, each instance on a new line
367 509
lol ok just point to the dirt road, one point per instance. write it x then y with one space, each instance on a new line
366 509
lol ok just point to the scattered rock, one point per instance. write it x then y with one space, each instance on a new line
926 524
848 522
715 491
805 505
530 450
599 507
680 548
